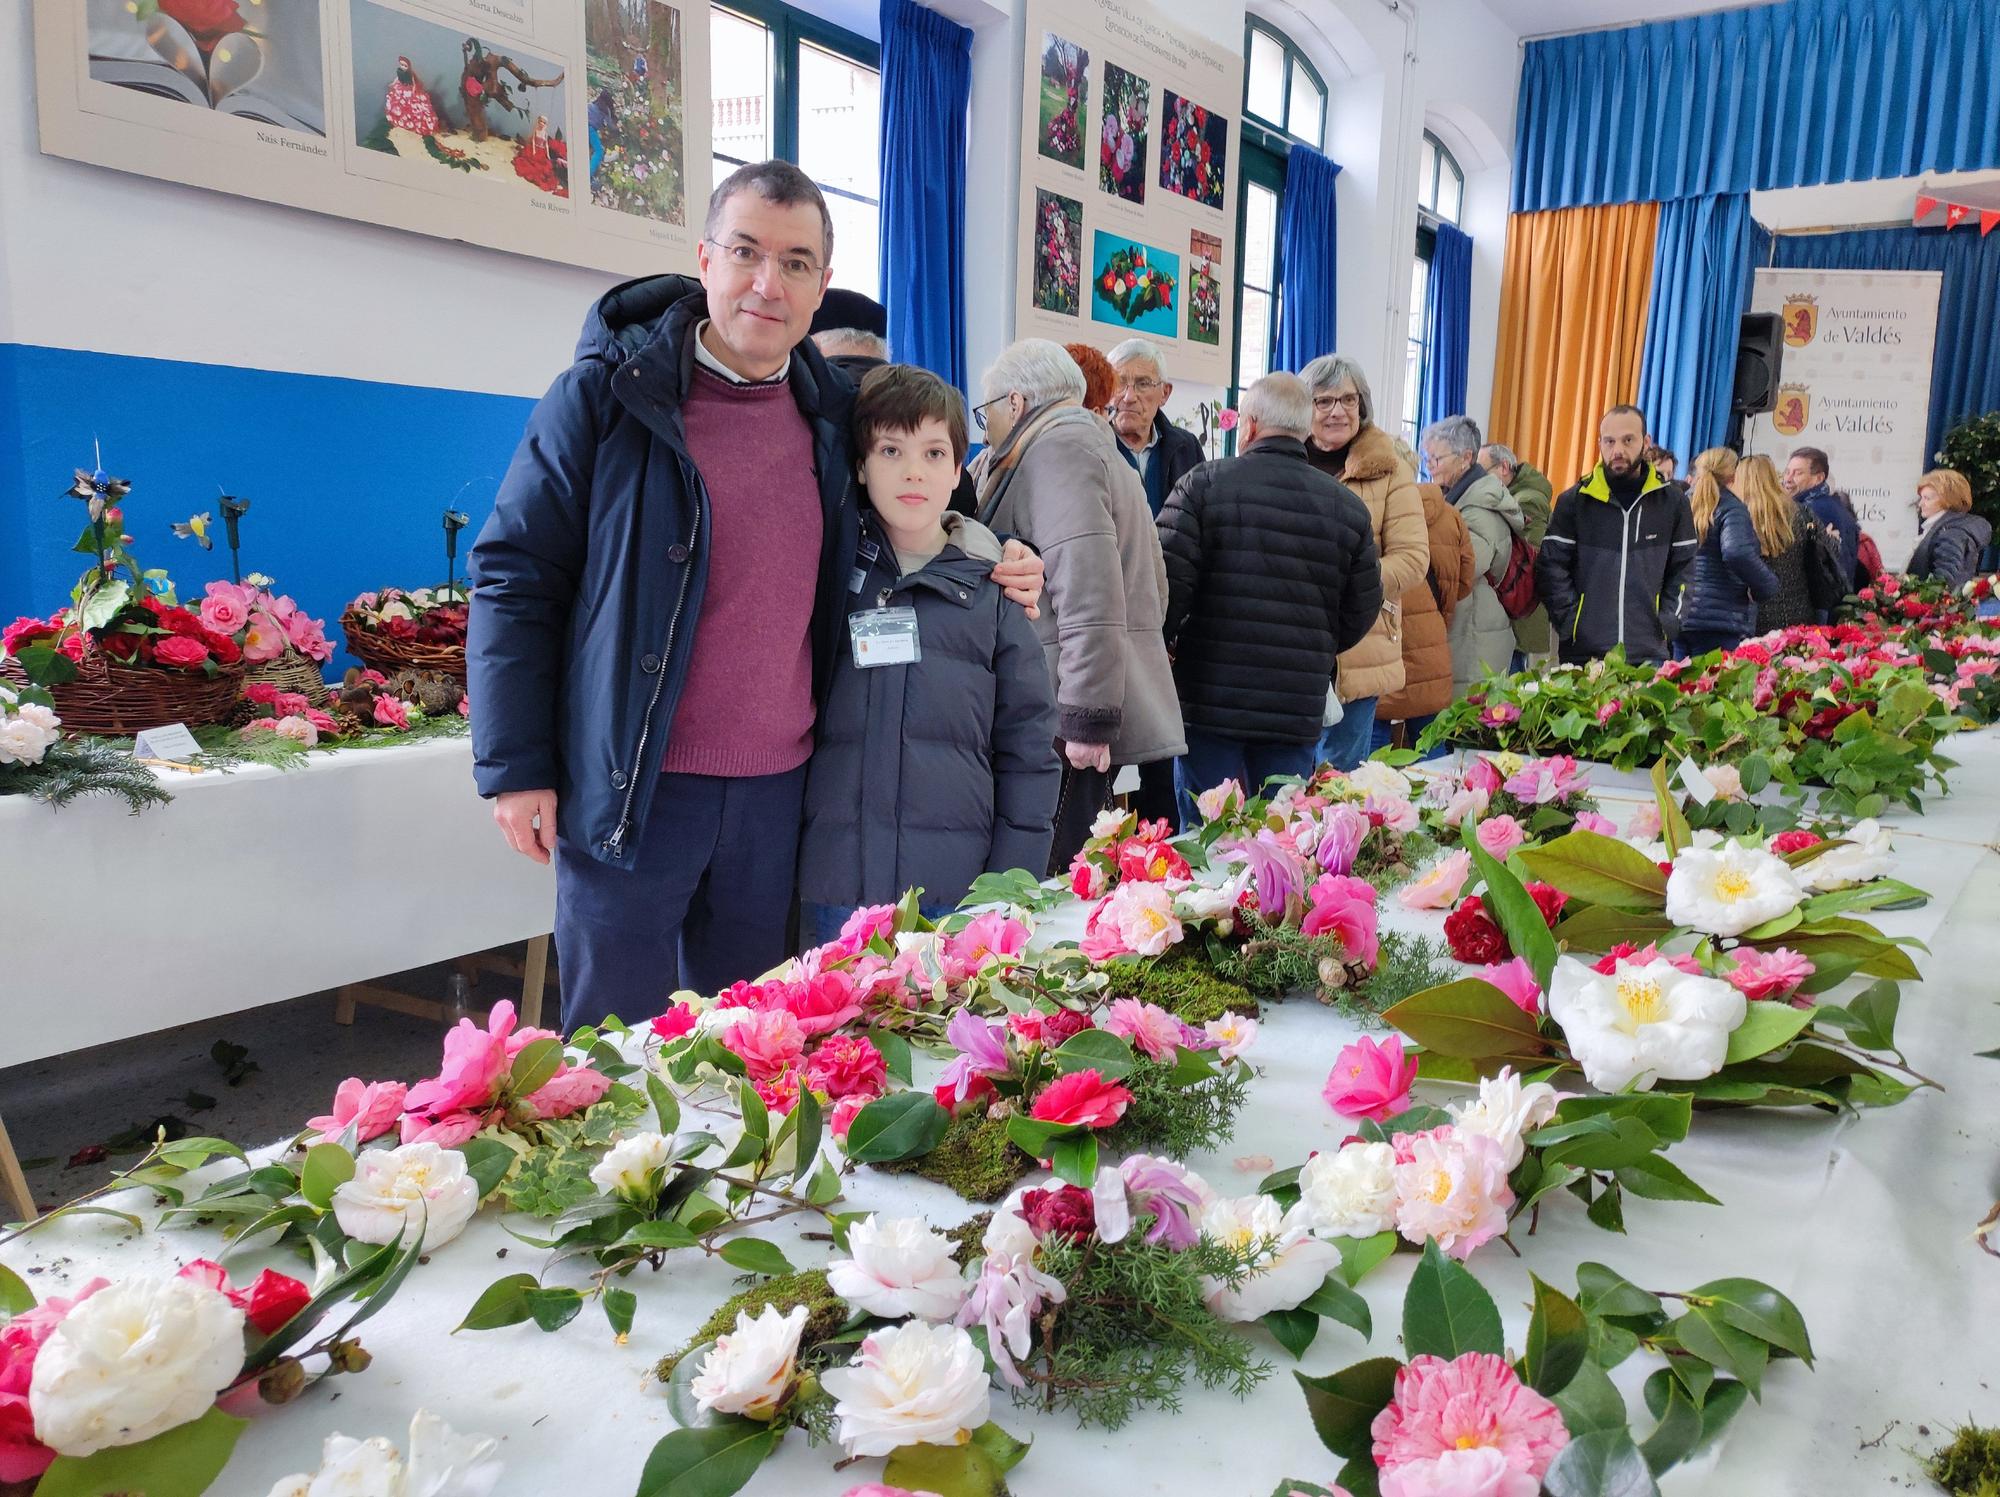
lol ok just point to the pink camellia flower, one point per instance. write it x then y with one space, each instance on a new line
1153 1031
844 1113
371 1108
1500 714
779 1093
261 693
1591 821
23 1458
1344 908
675 1022
1478 1471
263 638
289 704
1086 879
572 1089
389 711
1541 781
1473 1402
1500 835
475 1059
223 614
868 922
1483 774
1440 885
1464 802
823 1003
233 594
1371 1079
1517 980
878 1489
1608 711
847 1065
1770 974
769 1040
992 937
307 636
1451 1189
1340 838
1395 812
1644 823
1082 1097
447 1130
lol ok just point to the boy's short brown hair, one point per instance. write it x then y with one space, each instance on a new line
902 397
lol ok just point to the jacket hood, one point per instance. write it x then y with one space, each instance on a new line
628 316
1486 492
1371 455
1972 524
1597 486
971 537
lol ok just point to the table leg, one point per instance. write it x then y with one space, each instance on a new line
343 1006
14 1184
534 977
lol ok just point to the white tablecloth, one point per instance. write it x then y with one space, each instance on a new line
251 887
1864 1221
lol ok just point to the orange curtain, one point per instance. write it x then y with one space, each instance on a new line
1573 296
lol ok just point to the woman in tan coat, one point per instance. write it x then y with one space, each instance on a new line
1347 444
1427 614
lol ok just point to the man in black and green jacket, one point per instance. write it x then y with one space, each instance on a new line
1618 544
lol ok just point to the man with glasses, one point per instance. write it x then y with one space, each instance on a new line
660 593
1160 450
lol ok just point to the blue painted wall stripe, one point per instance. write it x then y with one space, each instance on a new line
346 479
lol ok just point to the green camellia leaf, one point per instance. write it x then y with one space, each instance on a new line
538 1061
711 1461
666 1106
1558 1340
1725 1400
895 1052
1333 1300
504 1302
1602 1463
1599 870
1762 1312
1447 1313
1074 1158
620 1305
899 1126
1765 1027
1707 1333
1360 1254
687 1413
1627 1141
1032 1136
806 1131
756 1116
1294 1329
1659 1179
1673 825
754 1255
327 1168
1608 1210
15 1295
1096 1050
181 1462
1469 1019
487 1160
1679 1428
552 1309
1591 1402
1005 1451
661 1236
1344 1404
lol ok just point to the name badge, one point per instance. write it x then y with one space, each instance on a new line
884 636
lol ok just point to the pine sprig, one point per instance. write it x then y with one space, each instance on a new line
76 767
1177 1121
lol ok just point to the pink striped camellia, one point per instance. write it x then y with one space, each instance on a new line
1770 974
1444 1411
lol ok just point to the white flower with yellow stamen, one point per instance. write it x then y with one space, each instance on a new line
1726 890
1643 1024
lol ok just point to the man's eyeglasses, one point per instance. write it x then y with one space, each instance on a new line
1145 386
979 411
1350 403
795 270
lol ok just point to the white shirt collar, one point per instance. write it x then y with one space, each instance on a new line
714 365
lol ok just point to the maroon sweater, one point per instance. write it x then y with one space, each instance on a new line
747 707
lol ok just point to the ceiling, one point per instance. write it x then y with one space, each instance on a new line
1539 17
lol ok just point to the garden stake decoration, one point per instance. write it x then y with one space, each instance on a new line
233 510
455 520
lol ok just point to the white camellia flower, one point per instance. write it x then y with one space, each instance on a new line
396 1190
899 1267
1290 1264
1865 857
913 1384
441 1463
1009 1231
632 1168
1643 1024
1727 890
1209 902
1349 1192
132 1361
1507 1109
1108 823
1373 777
749 1370
1233 1034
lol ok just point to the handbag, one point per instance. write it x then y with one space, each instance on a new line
1825 585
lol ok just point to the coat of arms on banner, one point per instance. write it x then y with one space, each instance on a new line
1793 409
1801 316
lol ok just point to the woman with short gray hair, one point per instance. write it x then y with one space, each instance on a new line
1346 444
1482 633
1052 475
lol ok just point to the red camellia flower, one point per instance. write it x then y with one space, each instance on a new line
1082 1097
1062 1024
1067 1211
1549 900
1142 861
1473 936
270 1301
222 647
207 21
181 652
180 621
1797 840
978 1092
121 647
25 631
1822 723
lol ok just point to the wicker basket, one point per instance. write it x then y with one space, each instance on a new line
292 672
384 653
110 698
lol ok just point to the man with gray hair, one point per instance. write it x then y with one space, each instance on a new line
1271 573
852 350
1536 496
1482 635
1160 450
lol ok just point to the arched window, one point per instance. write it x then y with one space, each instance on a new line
1440 197
1284 101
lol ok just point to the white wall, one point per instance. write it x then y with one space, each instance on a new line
1890 200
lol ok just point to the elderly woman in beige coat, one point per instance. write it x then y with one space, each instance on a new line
1347 444
1052 475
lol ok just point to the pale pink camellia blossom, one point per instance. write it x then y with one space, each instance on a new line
446 1130
1451 1189
223 613
844 1113
1440 885
1153 1031
301 732
1477 1471
1500 835
571 1090
866 923
1541 781
1344 908
1371 1079
263 638
1517 980
993 938
1466 801
1396 812
1644 825
1231 1034
1770 974
1219 801
1136 917
371 1108
1470 1403
768 1040
1591 821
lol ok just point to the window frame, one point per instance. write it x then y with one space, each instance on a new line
1427 199
1292 55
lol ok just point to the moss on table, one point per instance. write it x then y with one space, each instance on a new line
973 1158
826 1312
1183 984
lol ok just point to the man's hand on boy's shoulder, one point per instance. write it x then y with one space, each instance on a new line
1021 574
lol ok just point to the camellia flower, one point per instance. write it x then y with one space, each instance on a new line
1219 801
749 1370
1768 974
1344 908
846 1064
1542 781
1349 1191
898 1266
1796 840
1233 1033
1644 1023
1062 1211
1644 823
1144 916
1145 1185
1082 1097
1591 821
1865 857
131 1361
1500 835
1451 1188
912 1384
982 1051
371 1108
1373 777
396 1193
1640 956
1516 979
1470 1405
1276 869
1473 936
475 1058
1086 878
633 1168
1371 1079
770 1041
1507 1110
441 1463
22 1456
1729 889
675 1022
270 1301
1153 1031
1340 838
993 936
1726 780
1287 1263
1440 884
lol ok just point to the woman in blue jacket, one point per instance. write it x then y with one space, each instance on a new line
1729 577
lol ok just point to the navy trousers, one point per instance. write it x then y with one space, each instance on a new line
1210 760
704 898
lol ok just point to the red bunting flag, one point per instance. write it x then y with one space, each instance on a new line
1954 214
1924 205
1987 219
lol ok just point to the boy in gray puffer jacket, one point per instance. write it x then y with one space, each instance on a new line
936 757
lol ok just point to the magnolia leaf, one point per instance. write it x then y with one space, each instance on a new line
1096 1050
1600 870
1602 1463
1447 1313
899 1126
967 1470
754 1255
1344 1404
1596 927
1558 1340
711 1461
1508 902
181 1462
1765 1027
504 1302
1469 1019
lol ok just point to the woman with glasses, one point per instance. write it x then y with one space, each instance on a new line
1052 476
1347 444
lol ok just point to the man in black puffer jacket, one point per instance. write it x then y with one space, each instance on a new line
1271 573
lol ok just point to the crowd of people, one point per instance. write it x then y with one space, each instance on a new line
753 644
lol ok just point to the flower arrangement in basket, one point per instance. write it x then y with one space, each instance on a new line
124 655
282 644
421 629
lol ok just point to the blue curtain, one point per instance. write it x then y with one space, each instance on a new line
926 86
1783 95
1701 284
1447 327
1965 364
1305 249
